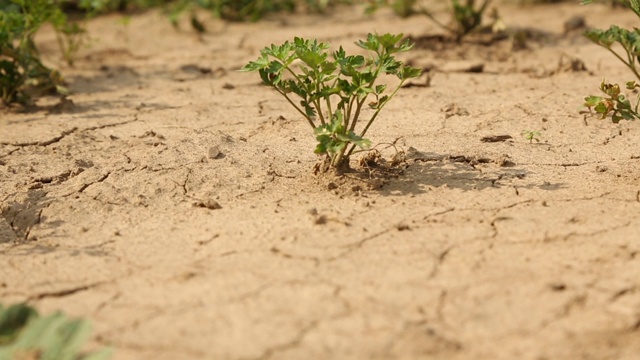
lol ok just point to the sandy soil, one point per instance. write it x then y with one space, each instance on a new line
113 210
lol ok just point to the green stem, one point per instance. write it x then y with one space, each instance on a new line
357 114
426 12
630 66
328 101
375 115
317 102
313 125
318 106
347 115
297 77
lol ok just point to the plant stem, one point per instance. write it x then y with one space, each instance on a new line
357 114
629 65
313 125
328 102
426 12
375 115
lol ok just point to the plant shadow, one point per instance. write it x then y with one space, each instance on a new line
424 171
23 215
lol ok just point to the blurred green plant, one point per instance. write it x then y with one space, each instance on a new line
241 10
231 10
614 103
24 334
22 73
333 91
466 16
403 8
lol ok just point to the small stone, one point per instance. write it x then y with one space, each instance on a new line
321 220
214 152
576 22
209 204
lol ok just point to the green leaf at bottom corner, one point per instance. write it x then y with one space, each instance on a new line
52 337
12 320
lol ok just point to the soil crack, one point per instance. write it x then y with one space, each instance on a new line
272 352
43 142
63 292
99 180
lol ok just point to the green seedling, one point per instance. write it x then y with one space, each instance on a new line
334 92
532 135
614 103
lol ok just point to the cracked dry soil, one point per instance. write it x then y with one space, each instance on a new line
486 247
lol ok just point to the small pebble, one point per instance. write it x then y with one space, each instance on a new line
214 152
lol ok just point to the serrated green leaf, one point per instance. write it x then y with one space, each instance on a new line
309 110
389 41
409 72
371 43
380 89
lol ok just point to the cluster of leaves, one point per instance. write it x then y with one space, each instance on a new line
333 91
22 73
26 335
614 103
466 16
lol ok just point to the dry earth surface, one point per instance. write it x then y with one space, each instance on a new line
112 208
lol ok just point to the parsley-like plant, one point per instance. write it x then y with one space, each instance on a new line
333 91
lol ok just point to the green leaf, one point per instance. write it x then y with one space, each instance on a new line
601 108
261 63
591 101
388 41
409 72
309 110
371 43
